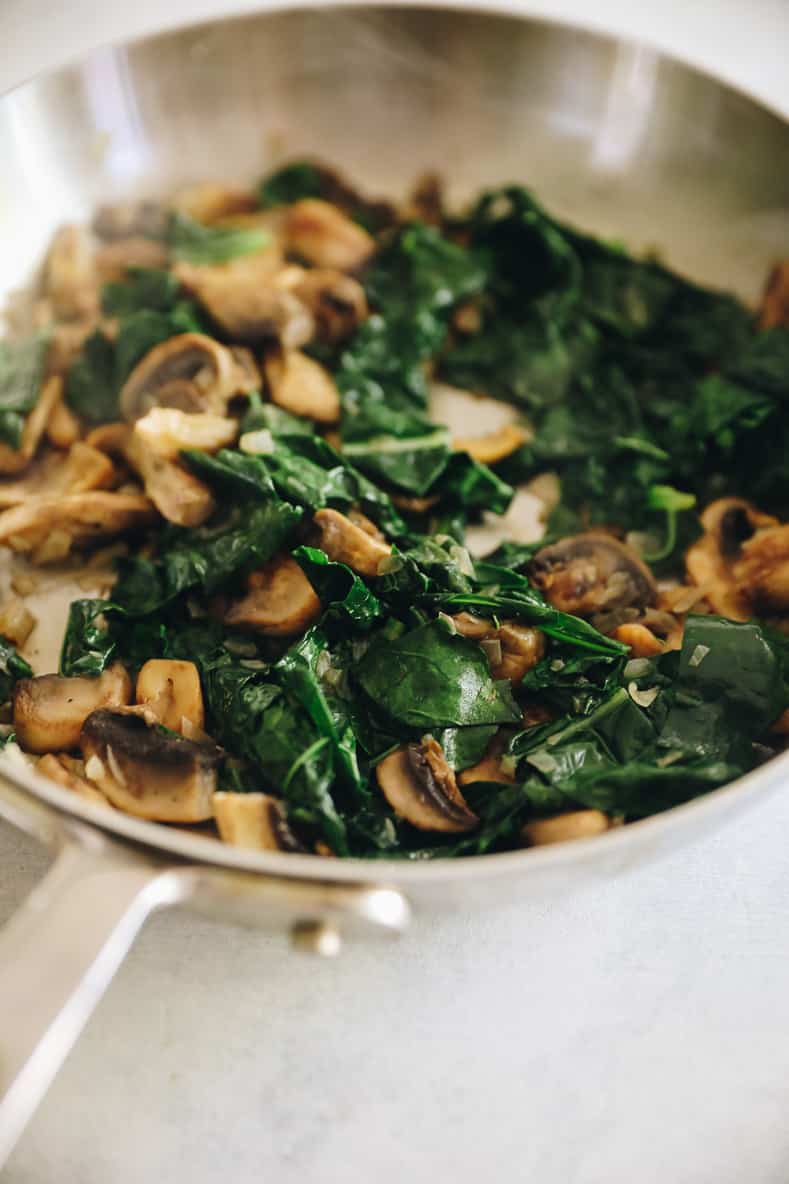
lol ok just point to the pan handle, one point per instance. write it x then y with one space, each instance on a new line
58 954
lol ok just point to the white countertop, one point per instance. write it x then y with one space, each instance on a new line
637 1033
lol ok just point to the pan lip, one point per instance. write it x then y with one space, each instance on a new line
578 23
620 844
210 853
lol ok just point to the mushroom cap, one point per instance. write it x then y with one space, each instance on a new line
562 828
190 371
590 573
345 542
420 787
280 602
337 302
148 771
171 690
49 710
713 562
178 495
325 236
302 386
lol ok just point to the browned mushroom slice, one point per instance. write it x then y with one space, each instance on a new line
208 200
493 446
53 767
562 828
127 219
420 787
520 649
167 431
302 386
592 573
74 519
81 469
70 278
728 524
337 302
171 690
16 460
49 711
146 770
762 569
16 621
280 601
642 641
190 372
255 821
63 428
115 259
326 237
245 298
775 301
345 542
178 495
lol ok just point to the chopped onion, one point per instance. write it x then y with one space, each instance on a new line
699 654
259 443
636 667
543 761
492 648
389 564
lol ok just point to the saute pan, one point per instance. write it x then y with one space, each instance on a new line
624 141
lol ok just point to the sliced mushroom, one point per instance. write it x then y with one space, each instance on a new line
346 542
326 237
208 200
167 431
775 301
76 519
562 828
16 460
63 428
491 767
493 446
146 770
129 219
762 570
70 278
81 469
178 495
49 711
302 386
280 602
512 649
16 621
190 372
592 573
246 300
115 259
55 768
171 690
715 562
420 787
642 641
337 302
255 821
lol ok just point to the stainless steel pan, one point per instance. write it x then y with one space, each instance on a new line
610 134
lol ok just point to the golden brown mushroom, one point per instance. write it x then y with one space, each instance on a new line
147 771
167 431
302 386
337 302
742 560
563 828
280 601
49 711
171 690
255 821
326 237
178 495
493 446
592 573
70 278
512 649
420 787
73 520
491 767
80 469
346 542
63 428
16 460
190 372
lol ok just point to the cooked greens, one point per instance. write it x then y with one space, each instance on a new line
374 688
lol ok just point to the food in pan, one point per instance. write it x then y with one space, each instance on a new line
287 441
